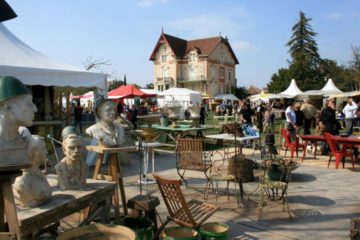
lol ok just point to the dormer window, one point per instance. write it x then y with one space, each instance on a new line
192 57
163 58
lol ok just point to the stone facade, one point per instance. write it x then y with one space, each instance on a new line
204 65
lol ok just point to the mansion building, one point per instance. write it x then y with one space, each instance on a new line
204 65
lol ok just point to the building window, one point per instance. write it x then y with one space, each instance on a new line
222 73
213 73
165 72
164 58
222 60
159 88
192 57
167 86
192 73
229 76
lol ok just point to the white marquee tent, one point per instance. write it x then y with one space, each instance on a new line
292 91
33 68
328 90
181 97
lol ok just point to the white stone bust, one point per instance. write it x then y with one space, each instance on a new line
14 112
71 170
33 187
106 132
194 110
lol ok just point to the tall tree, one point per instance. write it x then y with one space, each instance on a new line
355 67
305 59
302 44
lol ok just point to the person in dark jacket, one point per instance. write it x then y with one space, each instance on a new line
78 111
328 118
202 114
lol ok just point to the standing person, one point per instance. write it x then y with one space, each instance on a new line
246 114
134 114
299 117
291 121
119 108
202 114
328 118
78 111
350 115
309 114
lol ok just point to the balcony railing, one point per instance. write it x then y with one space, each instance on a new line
165 80
199 78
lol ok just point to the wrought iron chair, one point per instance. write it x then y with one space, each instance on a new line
188 214
274 184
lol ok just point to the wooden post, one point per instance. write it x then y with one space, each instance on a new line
7 205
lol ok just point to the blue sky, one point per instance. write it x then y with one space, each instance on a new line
126 31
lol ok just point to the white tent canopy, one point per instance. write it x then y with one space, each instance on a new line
328 90
292 90
33 68
226 97
181 97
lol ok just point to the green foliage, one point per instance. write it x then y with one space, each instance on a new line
241 92
149 86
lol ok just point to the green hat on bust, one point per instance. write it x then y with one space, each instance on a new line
11 87
67 131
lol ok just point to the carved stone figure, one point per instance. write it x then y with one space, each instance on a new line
16 109
71 170
33 187
106 132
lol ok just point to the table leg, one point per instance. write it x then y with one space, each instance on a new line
98 165
304 151
315 149
114 174
121 183
2 220
10 208
152 150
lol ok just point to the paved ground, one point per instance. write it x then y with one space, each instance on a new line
322 201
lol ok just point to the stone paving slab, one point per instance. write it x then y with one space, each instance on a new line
322 201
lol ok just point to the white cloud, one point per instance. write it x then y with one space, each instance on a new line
149 3
241 45
335 16
207 25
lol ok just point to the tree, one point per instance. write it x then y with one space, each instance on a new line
305 60
91 63
303 47
241 92
149 86
355 67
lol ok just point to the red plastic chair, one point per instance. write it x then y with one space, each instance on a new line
338 154
292 145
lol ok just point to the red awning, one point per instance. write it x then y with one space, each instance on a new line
128 91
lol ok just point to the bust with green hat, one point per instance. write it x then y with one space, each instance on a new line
105 131
16 109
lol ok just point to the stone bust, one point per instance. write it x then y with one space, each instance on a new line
106 132
33 187
71 170
16 109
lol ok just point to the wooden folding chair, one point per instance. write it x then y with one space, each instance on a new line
191 156
188 214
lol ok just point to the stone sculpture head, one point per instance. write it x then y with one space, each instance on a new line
72 146
16 102
106 111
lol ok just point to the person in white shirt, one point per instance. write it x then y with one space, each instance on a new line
291 120
350 115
